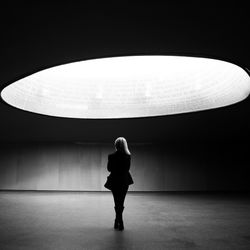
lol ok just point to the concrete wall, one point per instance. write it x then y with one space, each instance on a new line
73 166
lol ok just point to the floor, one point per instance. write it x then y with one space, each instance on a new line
84 220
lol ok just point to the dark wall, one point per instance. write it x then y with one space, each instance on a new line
155 167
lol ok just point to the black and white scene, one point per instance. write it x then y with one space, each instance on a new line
124 125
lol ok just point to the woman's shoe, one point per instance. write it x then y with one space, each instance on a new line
120 226
116 225
118 221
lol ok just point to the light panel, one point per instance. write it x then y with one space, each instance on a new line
130 86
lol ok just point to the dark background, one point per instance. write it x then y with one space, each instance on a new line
41 35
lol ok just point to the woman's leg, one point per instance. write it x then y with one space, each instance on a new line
122 196
116 203
119 198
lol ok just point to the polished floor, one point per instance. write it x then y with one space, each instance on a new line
84 220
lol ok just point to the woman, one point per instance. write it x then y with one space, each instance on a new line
119 179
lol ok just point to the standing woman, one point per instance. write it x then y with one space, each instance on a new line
120 178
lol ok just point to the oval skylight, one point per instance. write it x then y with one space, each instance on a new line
130 86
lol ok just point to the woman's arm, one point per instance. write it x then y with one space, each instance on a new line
128 162
109 166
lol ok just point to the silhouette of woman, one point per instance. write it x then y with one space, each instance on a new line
120 178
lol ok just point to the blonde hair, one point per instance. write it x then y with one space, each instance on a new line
122 145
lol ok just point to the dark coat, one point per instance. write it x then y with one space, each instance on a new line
118 166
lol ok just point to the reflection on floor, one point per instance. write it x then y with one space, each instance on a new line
84 220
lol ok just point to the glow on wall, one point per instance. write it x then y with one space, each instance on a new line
130 86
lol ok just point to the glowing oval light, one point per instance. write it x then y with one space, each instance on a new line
130 86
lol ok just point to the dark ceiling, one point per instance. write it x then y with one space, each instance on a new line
40 35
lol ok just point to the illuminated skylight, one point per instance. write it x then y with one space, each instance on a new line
130 86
